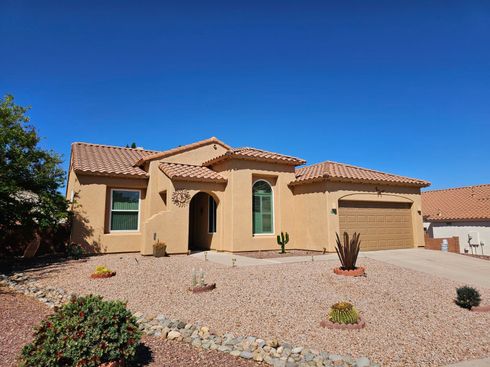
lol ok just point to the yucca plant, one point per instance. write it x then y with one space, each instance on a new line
348 250
343 313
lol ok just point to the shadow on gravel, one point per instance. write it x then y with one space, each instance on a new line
144 356
50 263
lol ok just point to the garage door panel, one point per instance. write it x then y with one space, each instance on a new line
381 225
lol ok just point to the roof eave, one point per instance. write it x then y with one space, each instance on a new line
229 155
110 174
451 219
194 179
352 180
177 150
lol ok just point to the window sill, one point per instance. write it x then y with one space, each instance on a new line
263 235
123 232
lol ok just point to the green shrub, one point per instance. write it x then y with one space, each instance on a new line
74 251
343 313
87 331
467 297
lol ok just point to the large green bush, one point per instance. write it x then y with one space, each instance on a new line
86 332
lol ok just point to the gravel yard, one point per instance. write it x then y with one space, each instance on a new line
19 314
411 319
275 254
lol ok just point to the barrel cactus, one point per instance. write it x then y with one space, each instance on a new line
343 313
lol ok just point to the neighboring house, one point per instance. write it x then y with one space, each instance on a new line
208 195
462 212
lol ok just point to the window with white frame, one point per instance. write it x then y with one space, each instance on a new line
211 215
125 207
262 207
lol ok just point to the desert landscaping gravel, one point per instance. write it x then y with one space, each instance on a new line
275 254
411 318
19 315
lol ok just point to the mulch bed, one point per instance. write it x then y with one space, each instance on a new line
275 253
19 314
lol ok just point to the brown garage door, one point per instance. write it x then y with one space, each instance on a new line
381 225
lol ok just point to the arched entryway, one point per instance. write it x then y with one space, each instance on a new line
203 221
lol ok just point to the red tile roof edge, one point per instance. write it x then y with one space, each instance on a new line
181 149
235 154
325 176
177 177
457 204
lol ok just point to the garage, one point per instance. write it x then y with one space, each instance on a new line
382 225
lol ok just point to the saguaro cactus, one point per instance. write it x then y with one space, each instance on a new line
282 240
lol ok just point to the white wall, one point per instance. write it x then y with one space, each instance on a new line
480 231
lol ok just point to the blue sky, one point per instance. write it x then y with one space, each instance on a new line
398 86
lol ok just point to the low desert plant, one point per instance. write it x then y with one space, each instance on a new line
102 270
87 331
467 297
343 313
159 249
282 240
198 278
348 250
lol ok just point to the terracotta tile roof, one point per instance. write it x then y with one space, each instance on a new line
333 171
464 203
187 172
107 160
256 155
184 148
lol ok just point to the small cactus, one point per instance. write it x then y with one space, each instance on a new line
282 240
194 278
202 283
343 313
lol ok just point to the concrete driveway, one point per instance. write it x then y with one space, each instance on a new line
463 269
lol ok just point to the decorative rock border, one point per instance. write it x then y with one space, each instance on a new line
205 288
272 352
361 324
357 272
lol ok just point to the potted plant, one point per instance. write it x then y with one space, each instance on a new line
343 315
348 251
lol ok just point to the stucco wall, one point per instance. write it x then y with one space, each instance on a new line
170 223
480 231
92 206
238 220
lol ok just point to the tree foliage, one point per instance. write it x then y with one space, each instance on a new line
29 180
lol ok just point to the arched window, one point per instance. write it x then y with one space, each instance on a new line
262 207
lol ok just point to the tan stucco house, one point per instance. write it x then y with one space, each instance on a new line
208 195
